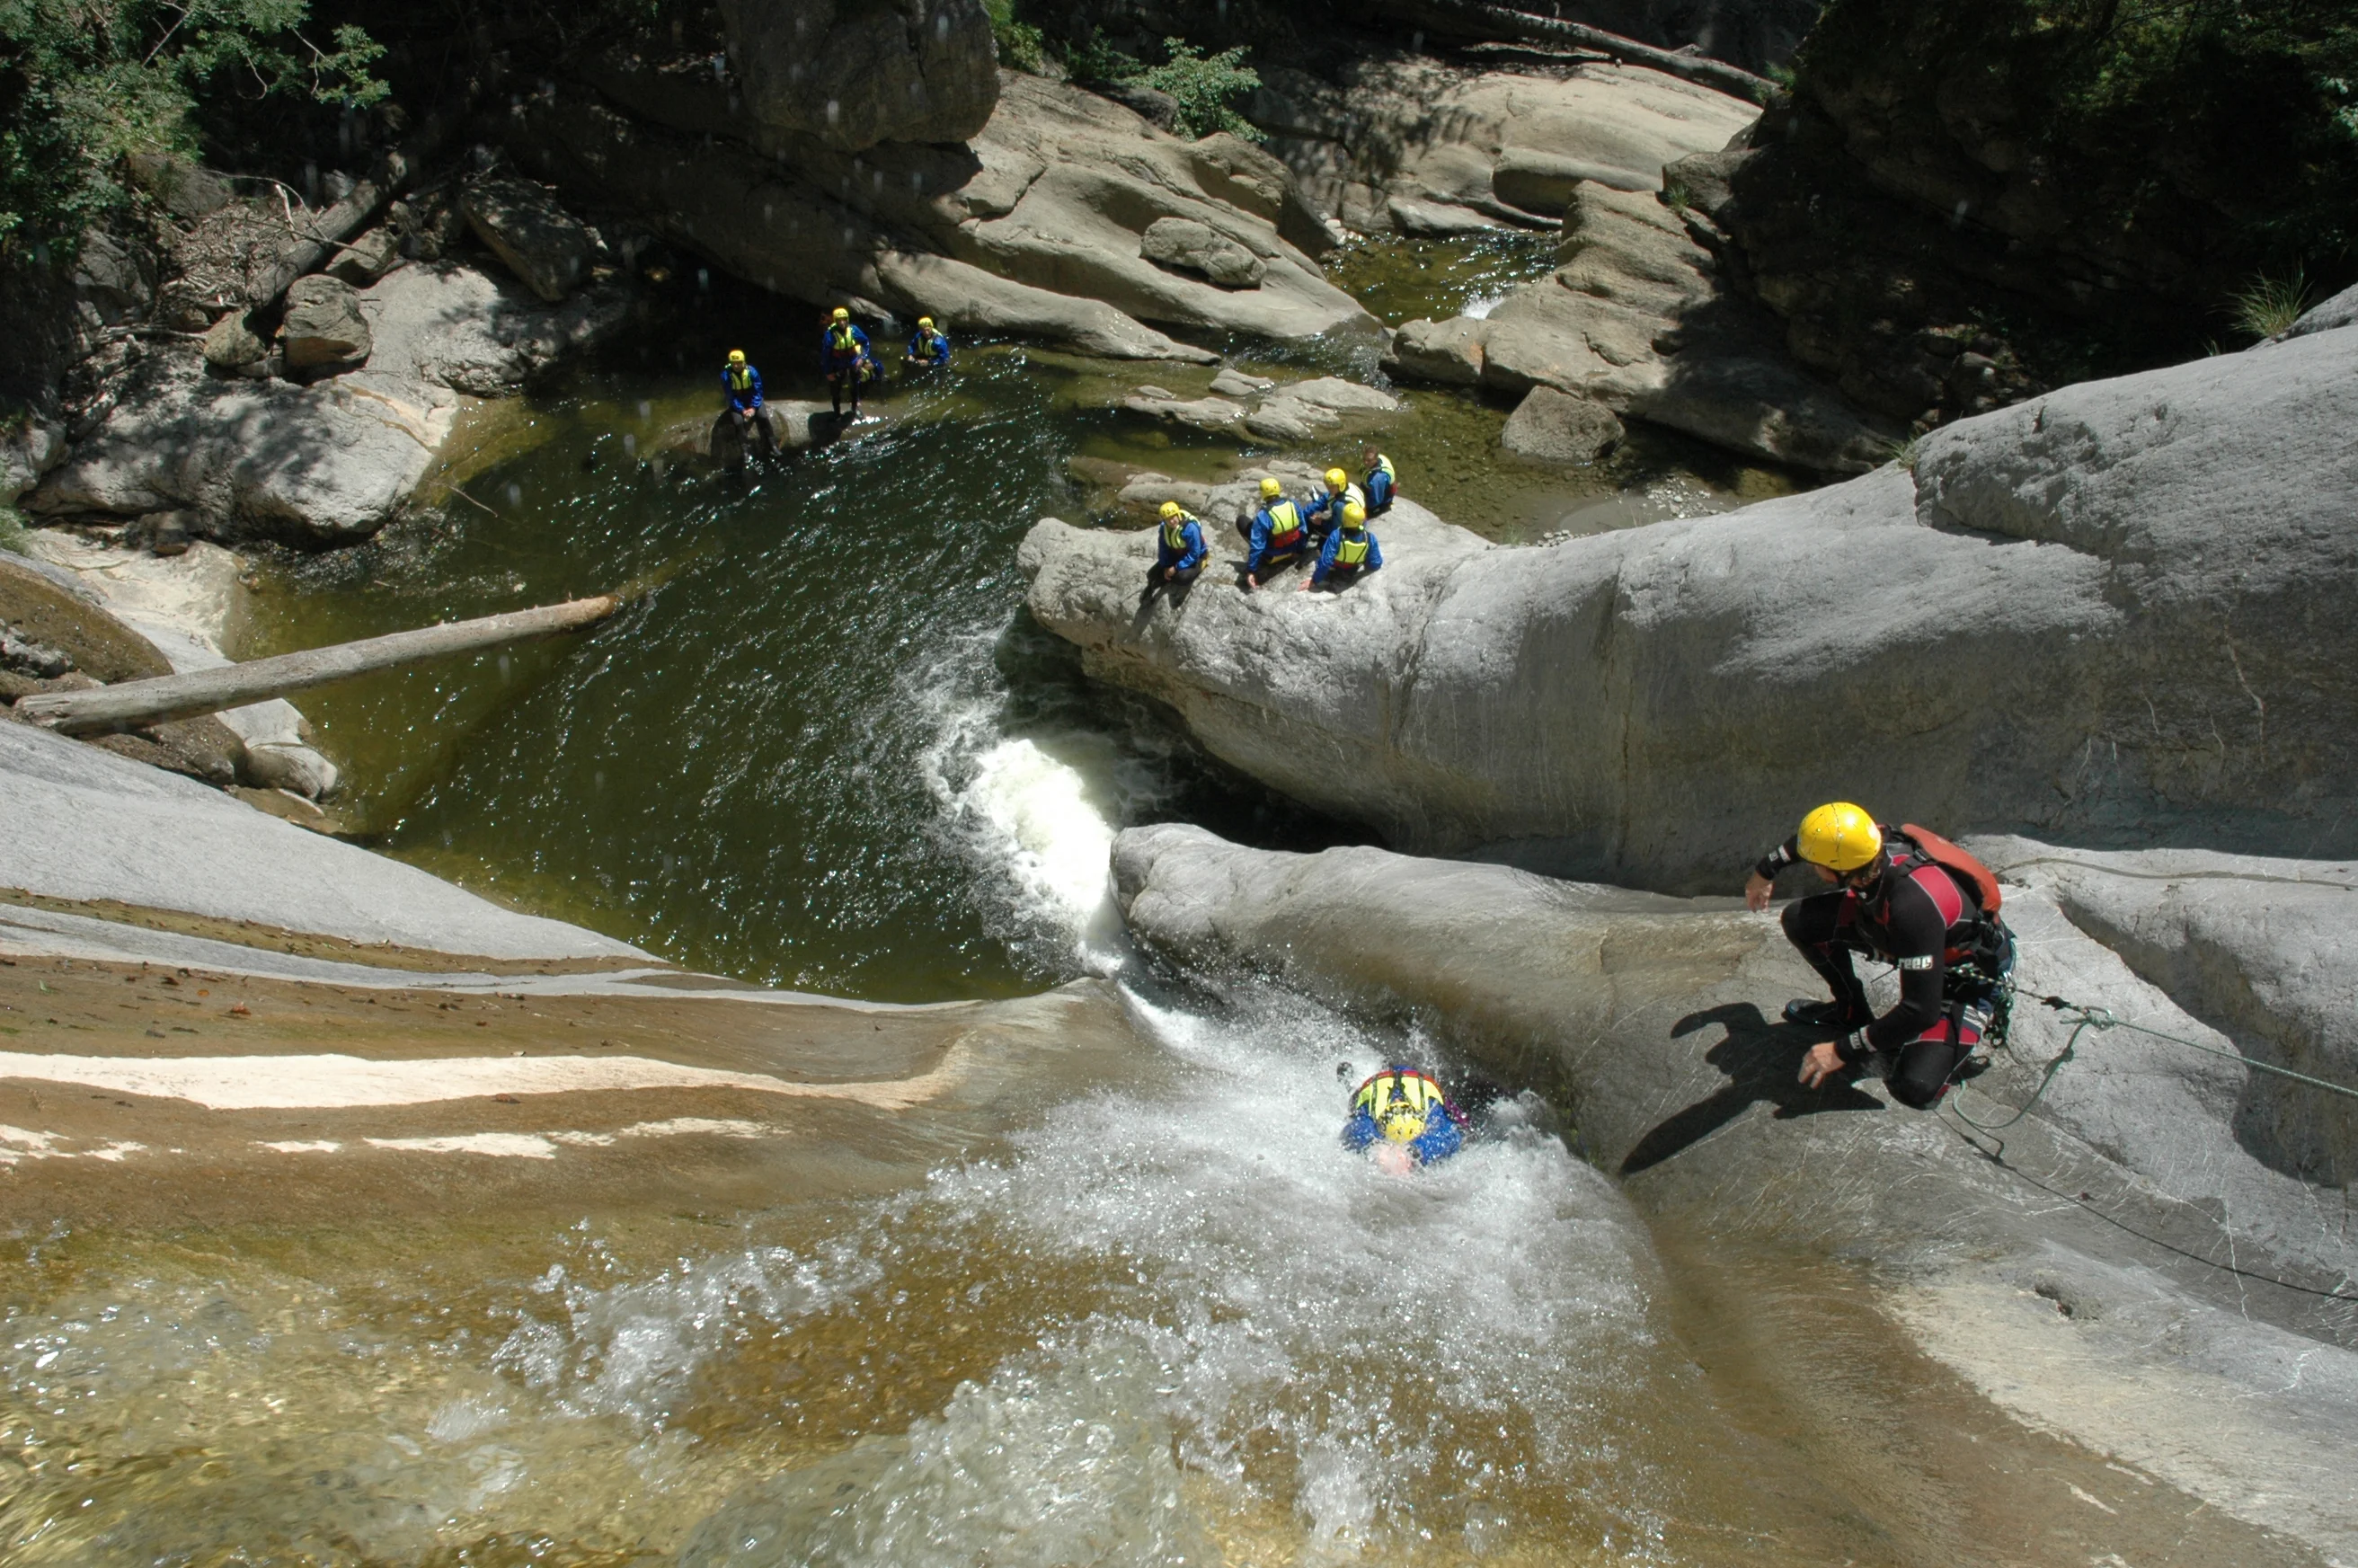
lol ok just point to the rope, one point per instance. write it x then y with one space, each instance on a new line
2100 1018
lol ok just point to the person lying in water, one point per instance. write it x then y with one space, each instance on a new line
1405 1118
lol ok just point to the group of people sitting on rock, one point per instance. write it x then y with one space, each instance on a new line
846 358
1330 531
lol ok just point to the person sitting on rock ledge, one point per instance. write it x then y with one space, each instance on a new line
1274 535
1914 900
845 355
740 383
1405 1118
1179 551
1349 553
1381 484
1325 512
928 349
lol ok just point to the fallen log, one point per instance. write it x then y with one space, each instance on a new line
1480 19
133 704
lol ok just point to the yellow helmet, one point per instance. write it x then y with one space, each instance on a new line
925 323
736 356
1170 509
1354 514
1839 836
1401 1125
841 314
1337 479
1271 490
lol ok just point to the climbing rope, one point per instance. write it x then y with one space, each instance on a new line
2100 1018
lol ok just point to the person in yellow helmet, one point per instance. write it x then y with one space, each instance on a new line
740 383
1179 550
929 349
1911 898
1349 553
846 356
1274 535
1325 513
1405 1118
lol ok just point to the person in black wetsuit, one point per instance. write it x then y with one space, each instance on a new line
1916 901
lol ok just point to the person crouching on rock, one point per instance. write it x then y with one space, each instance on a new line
1274 535
928 350
1349 555
1914 900
1325 513
845 355
1179 551
740 383
1404 1117
1381 482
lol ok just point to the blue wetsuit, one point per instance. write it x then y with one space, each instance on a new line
745 398
1325 513
1330 562
1441 1136
929 348
1268 529
836 361
1187 553
1381 484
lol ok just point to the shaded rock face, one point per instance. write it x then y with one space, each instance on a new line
2040 629
2127 1197
1037 226
1411 143
540 241
323 329
852 75
1549 426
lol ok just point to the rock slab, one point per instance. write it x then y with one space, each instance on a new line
540 241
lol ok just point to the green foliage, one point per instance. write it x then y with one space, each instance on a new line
1021 44
1205 87
83 82
2269 305
1094 59
12 530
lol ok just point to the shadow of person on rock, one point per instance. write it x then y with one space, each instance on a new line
1763 1062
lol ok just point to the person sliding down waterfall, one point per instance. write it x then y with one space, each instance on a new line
740 383
847 359
1349 553
1909 897
1405 1117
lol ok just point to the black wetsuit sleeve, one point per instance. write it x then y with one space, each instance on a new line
1920 940
1777 859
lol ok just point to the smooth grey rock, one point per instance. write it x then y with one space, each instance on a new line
1285 417
1340 397
2342 310
540 241
2128 1196
327 463
1198 247
457 326
2040 630
323 329
113 279
1540 181
1450 352
1148 491
113 829
26 657
367 258
1157 108
1551 427
28 449
233 347
1203 413
1437 219
850 76
1233 382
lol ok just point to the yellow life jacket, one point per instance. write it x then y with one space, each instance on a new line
1385 463
1351 550
840 339
1284 525
741 378
1395 1089
1174 532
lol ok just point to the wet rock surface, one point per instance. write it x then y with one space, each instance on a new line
2128 1200
2051 604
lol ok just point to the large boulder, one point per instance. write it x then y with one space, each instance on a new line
1037 225
327 463
852 75
457 326
2120 609
2136 1243
541 241
1197 247
1551 427
323 329
29 448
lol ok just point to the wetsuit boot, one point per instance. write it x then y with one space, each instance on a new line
1826 1015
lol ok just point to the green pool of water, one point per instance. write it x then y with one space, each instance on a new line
1401 279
